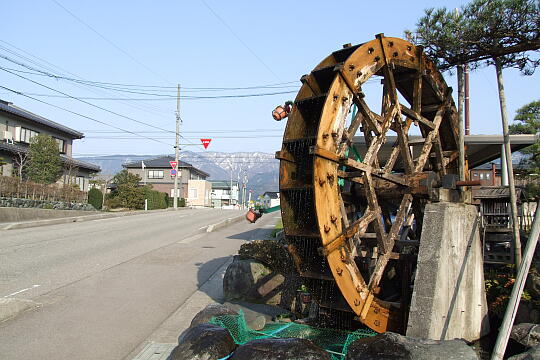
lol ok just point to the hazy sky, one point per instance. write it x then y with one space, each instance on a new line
198 44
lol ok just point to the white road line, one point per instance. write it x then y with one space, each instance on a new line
23 290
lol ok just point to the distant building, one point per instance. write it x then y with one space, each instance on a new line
199 193
18 126
224 193
157 172
270 199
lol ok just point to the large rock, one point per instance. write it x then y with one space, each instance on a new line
533 281
532 354
526 334
204 342
392 346
269 252
251 280
280 349
210 311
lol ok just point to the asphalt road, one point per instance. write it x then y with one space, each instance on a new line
104 286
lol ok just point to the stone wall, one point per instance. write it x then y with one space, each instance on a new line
44 204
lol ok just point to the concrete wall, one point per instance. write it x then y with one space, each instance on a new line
449 299
10 214
199 192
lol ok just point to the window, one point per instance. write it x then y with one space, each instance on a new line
79 180
27 135
193 194
155 174
61 145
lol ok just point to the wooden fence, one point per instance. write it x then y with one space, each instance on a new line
15 188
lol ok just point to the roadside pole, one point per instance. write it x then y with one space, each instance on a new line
517 289
177 149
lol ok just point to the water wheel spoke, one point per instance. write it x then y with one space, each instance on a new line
426 149
374 207
389 165
389 241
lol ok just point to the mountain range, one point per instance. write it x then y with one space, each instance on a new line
261 170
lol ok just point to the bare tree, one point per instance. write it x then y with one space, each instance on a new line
20 159
70 171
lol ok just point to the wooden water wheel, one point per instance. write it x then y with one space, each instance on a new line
352 206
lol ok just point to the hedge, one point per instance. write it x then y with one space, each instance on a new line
95 198
156 199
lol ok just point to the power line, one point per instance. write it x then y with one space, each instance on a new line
84 116
52 67
192 138
83 101
155 88
239 39
166 97
109 41
222 131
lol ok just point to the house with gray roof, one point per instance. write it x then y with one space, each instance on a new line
157 172
18 126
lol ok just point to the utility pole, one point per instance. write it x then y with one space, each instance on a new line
177 149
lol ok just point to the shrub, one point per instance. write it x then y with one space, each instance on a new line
113 202
181 202
95 198
156 199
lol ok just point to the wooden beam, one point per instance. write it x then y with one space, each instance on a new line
416 116
357 228
374 207
426 149
362 106
283 155
389 242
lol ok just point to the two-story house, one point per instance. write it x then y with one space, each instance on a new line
224 193
18 126
157 172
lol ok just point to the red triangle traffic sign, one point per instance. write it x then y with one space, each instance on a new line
206 142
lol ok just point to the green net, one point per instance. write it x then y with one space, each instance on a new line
333 341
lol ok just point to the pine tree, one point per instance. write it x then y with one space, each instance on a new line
44 163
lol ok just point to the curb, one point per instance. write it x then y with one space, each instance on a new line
66 220
11 307
224 223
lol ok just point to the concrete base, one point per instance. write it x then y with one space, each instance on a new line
449 299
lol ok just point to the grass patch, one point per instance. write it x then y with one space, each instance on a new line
277 229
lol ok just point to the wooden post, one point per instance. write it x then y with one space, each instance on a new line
509 166
517 290
461 137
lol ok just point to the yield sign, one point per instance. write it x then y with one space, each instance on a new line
173 164
206 142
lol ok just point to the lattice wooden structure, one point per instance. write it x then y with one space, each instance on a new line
352 217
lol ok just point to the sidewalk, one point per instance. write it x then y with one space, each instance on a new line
159 345
164 339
